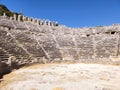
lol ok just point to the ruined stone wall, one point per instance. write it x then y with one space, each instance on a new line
29 43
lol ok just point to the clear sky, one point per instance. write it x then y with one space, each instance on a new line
72 13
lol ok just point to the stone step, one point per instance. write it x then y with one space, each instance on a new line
2 52
3 59
3 55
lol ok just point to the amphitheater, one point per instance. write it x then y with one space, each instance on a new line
25 41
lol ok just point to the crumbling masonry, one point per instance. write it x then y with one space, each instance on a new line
37 41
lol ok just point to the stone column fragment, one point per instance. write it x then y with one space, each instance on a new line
19 17
14 17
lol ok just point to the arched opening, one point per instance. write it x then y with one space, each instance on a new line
113 32
88 35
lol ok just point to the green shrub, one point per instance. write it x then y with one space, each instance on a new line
4 9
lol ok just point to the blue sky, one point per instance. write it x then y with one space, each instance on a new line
72 13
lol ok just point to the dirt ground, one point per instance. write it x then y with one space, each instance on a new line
63 77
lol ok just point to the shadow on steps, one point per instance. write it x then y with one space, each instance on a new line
4 69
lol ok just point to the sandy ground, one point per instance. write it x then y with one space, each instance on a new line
63 77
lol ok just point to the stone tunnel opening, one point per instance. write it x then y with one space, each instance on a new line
113 32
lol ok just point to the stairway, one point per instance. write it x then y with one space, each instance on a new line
3 55
4 67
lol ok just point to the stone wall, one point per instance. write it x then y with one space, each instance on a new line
21 18
29 43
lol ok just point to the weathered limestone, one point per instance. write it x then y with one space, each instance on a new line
19 17
14 17
4 15
29 19
33 20
22 18
11 18
38 22
41 22
34 40
4 69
